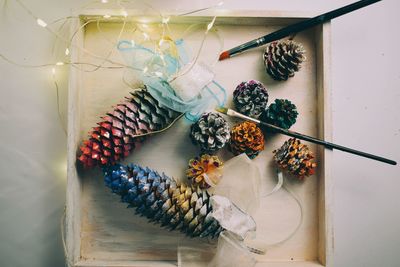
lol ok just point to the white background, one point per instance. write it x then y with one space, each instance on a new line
366 115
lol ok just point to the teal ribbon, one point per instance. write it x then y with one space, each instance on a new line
148 63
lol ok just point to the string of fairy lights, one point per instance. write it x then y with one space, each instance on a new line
119 7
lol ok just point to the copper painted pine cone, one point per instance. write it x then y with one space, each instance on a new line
246 137
295 158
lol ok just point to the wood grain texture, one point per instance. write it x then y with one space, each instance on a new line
111 235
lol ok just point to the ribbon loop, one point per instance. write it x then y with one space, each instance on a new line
186 87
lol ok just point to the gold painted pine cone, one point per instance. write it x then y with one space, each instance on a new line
246 137
295 158
204 171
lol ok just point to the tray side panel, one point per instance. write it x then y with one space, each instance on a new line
73 198
323 48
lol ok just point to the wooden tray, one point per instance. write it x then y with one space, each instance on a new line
102 232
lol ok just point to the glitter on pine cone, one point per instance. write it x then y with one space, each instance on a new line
162 200
295 158
115 137
283 58
205 171
281 113
250 98
211 132
246 137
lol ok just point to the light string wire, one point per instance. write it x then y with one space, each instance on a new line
58 102
106 59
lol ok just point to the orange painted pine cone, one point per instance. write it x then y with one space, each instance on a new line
246 137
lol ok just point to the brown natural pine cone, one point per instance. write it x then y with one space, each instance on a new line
283 58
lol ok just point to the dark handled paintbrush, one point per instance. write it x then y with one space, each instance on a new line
314 140
294 28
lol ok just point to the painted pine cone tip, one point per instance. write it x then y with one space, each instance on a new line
283 58
211 132
295 158
204 171
246 137
250 98
281 113
116 135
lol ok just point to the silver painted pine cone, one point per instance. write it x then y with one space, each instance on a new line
211 132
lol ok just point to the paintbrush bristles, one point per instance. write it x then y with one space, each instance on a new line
232 113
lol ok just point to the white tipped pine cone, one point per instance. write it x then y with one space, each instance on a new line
211 132
283 58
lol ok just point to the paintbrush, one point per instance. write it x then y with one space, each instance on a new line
295 28
314 140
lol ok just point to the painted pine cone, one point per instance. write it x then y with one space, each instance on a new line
250 98
210 132
161 199
205 171
296 158
116 135
283 58
281 113
246 137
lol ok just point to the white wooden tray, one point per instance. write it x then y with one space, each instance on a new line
102 232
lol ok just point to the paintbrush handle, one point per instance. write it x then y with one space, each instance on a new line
326 144
297 27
